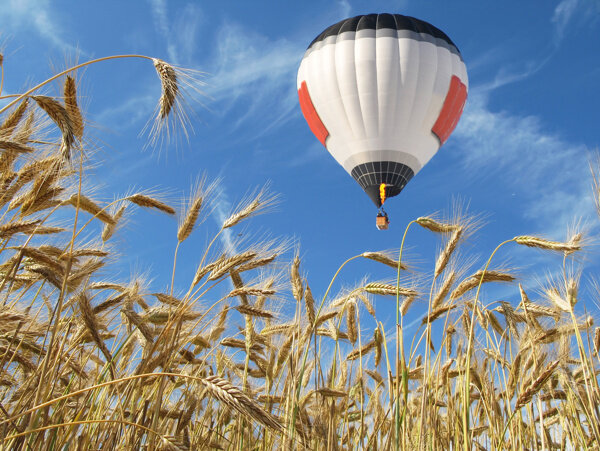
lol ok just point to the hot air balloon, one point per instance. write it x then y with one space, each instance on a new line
382 92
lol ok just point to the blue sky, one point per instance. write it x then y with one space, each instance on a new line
519 155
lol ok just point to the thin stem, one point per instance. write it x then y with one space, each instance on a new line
79 422
102 385
1 76
190 290
64 72
174 266
61 296
312 328
466 400
399 338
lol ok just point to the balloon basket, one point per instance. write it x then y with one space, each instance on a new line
382 221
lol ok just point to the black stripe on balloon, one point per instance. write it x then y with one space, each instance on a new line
380 21
372 174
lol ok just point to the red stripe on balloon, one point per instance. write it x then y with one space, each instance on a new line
311 115
451 110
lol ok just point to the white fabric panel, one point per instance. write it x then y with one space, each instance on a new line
346 77
406 93
366 84
331 111
379 97
388 79
443 74
427 68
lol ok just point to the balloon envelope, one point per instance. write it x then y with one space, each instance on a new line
382 92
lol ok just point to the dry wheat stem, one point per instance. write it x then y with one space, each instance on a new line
65 72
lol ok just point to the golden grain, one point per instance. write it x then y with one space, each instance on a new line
444 257
13 119
388 290
383 258
145 201
474 280
540 243
109 228
360 352
73 111
88 205
170 88
536 385
322 387
435 226
253 311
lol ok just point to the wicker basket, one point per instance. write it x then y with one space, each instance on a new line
382 222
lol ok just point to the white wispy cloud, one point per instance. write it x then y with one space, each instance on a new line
345 8
573 15
161 23
255 73
221 212
548 171
512 73
37 16
562 16
178 28
159 13
247 63
128 113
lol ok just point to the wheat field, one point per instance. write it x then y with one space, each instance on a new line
90 363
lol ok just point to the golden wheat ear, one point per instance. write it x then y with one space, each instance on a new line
145 201
177 86
201 193
251 206
72 107
170 88
61 118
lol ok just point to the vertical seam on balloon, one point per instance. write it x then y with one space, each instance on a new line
439 53
337 77
398 80
397 100
415 91
337 84
355 47
437 65
377 79
430 90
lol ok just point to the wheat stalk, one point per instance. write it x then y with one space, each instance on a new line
234 398
536 385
